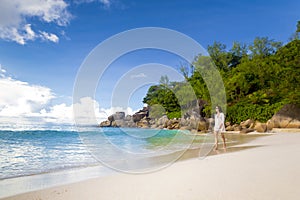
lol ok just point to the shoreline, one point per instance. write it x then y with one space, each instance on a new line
35 182
266 169
29 183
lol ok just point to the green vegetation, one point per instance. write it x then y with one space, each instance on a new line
259 79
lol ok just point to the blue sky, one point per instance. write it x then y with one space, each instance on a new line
43 43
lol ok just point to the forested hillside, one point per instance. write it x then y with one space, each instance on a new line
259 79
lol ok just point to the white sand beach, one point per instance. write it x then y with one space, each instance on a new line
269 168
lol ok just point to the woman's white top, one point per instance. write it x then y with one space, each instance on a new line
219 119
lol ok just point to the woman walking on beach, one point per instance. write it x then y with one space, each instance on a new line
219 127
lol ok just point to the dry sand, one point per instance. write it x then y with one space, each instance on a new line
269 168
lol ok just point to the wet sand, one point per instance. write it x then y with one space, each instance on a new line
257 168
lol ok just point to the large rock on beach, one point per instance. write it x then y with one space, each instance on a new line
260 127
172 124
106 123
287 117
203 125
229 128
128 118
120 123
294 124
237 127
119 115
143 123
247 123
111 118
184 122
140 114
194 123
270 125
227 124
116 116
246 130
163 120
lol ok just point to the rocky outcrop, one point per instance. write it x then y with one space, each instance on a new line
260 127
287 117
143 123
139 119
247 124
202 125
106 123
119 115
194 122
246 130
140 114
235 127
113 120
118 120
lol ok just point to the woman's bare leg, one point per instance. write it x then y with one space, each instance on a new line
224 142
216 140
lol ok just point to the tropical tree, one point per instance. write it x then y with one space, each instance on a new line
238 51
263 46
259 79
219 55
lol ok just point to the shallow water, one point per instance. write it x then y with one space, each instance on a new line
30 152
37 159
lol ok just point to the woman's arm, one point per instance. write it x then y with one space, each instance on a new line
222 120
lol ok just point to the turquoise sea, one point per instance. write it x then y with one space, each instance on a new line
36 157
33 151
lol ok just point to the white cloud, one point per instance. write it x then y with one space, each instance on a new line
106 3
49 36
88 111
24 103
14 15
60 113
20 98
29 32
